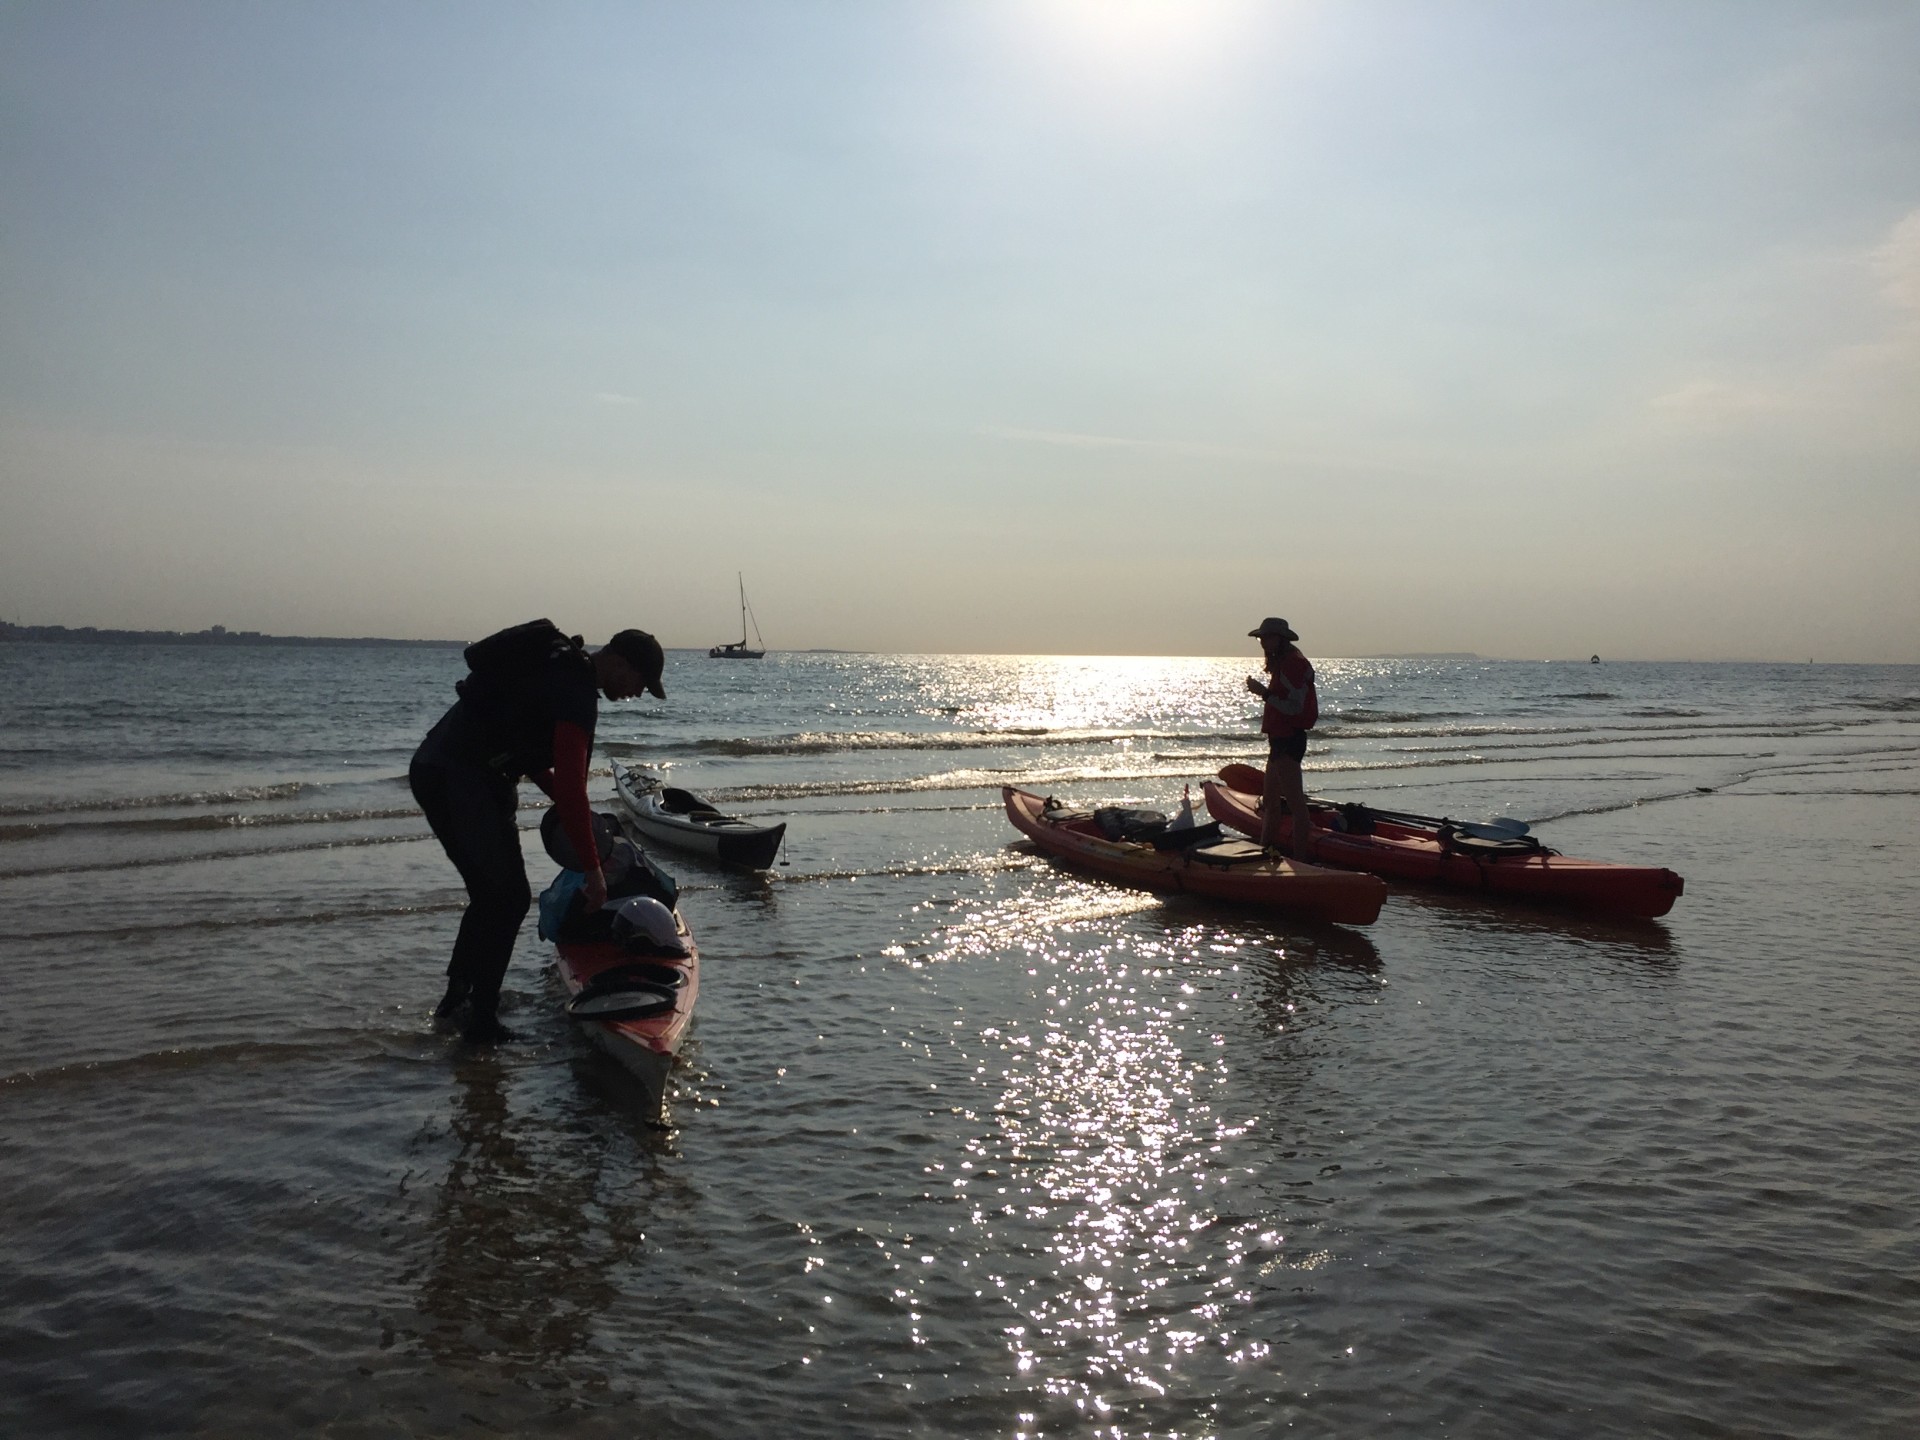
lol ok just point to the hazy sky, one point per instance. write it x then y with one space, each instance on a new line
1530 328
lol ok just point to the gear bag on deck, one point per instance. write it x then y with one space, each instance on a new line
563 904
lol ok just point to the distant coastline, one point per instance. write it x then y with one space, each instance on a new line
214 635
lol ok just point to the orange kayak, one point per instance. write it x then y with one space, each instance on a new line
1224 870
1444 855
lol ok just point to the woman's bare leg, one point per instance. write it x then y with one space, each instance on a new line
1296 791
1285 783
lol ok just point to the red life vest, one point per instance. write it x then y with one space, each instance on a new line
1293 704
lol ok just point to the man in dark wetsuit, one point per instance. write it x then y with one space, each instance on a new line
527 709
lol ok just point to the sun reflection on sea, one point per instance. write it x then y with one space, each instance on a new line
1108 1149
1096 692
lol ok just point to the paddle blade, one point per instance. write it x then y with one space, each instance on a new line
1501 829
1247 779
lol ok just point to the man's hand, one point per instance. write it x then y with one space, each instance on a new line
1254 687
596 890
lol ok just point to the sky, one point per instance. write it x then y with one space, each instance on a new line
1531 329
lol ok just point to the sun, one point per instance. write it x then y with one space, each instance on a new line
1139 41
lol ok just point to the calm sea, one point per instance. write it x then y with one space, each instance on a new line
964 1145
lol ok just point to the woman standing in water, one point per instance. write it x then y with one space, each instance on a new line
1292 707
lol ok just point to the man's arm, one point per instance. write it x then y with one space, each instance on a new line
566 786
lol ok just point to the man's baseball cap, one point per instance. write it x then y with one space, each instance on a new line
643 652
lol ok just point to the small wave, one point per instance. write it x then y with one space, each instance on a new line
237 922
236 795
1728 729
1585 695
39 829
961 780
825 742
1877 793
998 862
148 862
1344 726
1177 769
331 1045
1587 742
285 790
1341 731
1898 705
1692 792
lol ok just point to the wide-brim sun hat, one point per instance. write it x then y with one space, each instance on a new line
1273 626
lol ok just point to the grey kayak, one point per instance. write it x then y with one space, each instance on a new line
683 820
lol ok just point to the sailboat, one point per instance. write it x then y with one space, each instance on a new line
732 651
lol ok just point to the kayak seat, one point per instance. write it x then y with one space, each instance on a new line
623 977
1482 847
681 802
1230 852
630 1002
1117 822
1352 819
1190 837
1063 815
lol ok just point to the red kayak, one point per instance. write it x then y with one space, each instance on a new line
1229 870
646 1044
1442 853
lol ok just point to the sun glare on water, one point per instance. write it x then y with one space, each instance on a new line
1098 692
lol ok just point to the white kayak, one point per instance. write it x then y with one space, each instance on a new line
686 822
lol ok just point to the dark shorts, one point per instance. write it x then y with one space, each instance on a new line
1293 747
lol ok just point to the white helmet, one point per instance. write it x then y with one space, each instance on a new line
643 916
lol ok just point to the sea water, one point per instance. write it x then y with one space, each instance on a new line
961 1143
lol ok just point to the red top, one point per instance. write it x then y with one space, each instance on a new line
566 786
1292 703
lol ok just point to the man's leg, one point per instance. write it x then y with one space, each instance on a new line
474 814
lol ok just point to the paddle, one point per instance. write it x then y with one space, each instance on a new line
1250 781
1501 829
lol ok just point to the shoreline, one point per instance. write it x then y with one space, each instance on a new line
218 635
